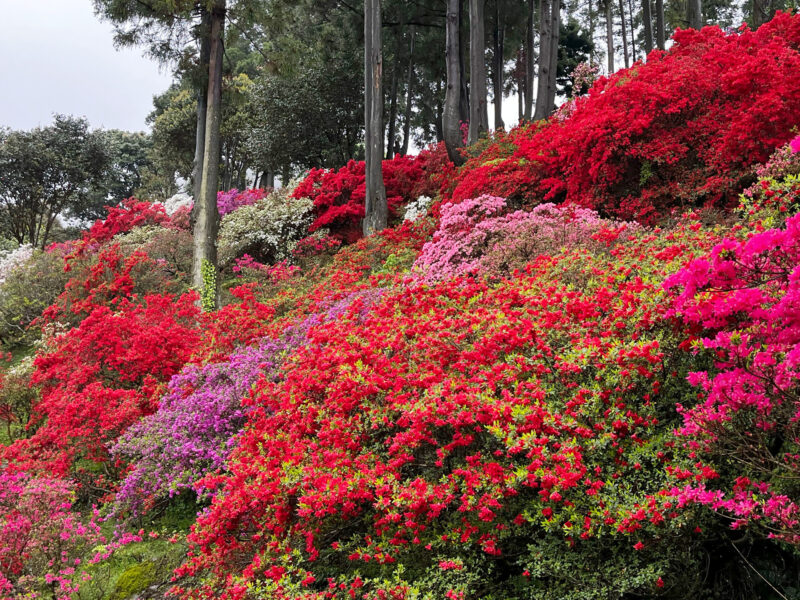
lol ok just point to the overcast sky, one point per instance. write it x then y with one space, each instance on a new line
59 58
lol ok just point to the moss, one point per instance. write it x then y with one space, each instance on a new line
134 580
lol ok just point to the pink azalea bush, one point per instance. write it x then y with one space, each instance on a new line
480 236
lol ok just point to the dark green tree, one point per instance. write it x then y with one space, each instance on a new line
50 172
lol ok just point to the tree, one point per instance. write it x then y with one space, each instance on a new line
47 172
450 118
205 213
376 209
647 19
607 8
549 21
575 47
694 13
660 31
478 109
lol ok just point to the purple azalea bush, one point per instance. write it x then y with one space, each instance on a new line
192 432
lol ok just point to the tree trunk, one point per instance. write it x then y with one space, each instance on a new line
463 102
497 80
409 96
647 18
392 133
529 62
376 212
202 102
624 34
609 35
633 31
660 31
451 130
545 50
204 257
763 11
694 14
478 107
555 29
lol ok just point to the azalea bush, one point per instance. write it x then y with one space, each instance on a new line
742 301
267 230
481 236
190 434
338 196
44 544
100 377
429 444
685 129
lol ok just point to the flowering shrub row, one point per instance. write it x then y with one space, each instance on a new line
685 129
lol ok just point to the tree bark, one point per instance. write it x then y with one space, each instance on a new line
409 86
647 18
545 50
497 80
392 132
451 114
376 211
660 30
530 71
463 106
202 102
633 31
555 29
624 34
609 35
478 107
204 257
763 11
694 14
398 58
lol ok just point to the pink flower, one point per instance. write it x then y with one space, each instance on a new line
795 144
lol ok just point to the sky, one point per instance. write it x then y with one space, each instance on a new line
58 57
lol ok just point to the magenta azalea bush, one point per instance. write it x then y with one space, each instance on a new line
743 302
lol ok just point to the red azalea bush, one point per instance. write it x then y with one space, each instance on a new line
121 219
101 376
338 196
687 128
464 425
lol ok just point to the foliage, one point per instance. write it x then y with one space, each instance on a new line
29 287
17 398
742 302
266 230
100 377
482 237
46 172
684 129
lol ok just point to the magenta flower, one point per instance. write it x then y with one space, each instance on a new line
795 144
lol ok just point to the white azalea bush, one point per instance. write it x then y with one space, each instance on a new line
267 230
418 208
